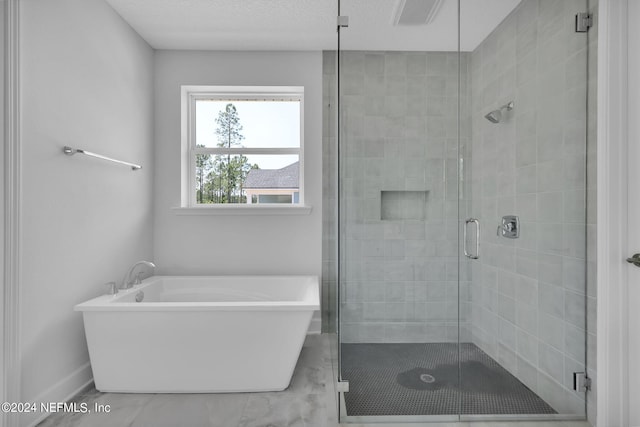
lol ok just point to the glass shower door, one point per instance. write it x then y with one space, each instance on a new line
399 178
462 146
528 85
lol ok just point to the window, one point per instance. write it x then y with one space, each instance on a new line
242 146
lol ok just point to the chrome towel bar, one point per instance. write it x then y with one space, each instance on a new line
71 151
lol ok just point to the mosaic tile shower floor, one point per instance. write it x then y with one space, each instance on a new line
423 379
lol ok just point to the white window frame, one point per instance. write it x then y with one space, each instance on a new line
190 94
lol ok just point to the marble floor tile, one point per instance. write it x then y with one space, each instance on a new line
303 403
309 401
169 410
272 410
123 409
226 409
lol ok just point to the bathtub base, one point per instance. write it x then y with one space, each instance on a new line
199 346
195 352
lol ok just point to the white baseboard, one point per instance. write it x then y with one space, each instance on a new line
63 391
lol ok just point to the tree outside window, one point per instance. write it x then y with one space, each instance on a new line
220 178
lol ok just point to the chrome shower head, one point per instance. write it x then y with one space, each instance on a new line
496 115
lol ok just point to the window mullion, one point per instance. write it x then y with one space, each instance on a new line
246 151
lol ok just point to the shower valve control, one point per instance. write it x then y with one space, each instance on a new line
510 227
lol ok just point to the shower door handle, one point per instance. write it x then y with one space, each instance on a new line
464 243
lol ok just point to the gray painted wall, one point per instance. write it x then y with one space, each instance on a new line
235 244
86 81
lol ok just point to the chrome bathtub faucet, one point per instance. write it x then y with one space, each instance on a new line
128 282
112 289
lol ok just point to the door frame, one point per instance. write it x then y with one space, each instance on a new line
612 184
10 352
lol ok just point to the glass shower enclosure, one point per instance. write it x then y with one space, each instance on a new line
461 162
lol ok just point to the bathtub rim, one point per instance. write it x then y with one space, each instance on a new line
311 300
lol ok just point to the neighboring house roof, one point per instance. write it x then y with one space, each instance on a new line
287 177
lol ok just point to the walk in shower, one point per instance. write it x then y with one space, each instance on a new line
456 144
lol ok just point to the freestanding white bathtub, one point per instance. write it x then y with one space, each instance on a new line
200 334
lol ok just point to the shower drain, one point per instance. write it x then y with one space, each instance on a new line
426 378
422 379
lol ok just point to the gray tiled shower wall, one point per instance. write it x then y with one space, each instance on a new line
399 151
329 194
528 296
523 302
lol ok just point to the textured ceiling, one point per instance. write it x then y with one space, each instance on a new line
305 24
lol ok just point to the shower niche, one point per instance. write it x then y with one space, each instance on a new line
403 205
425 333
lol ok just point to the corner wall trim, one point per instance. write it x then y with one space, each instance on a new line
315 326
11 369
612 405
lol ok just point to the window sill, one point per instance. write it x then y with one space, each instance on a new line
243 210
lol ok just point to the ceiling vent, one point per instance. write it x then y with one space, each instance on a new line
416 12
